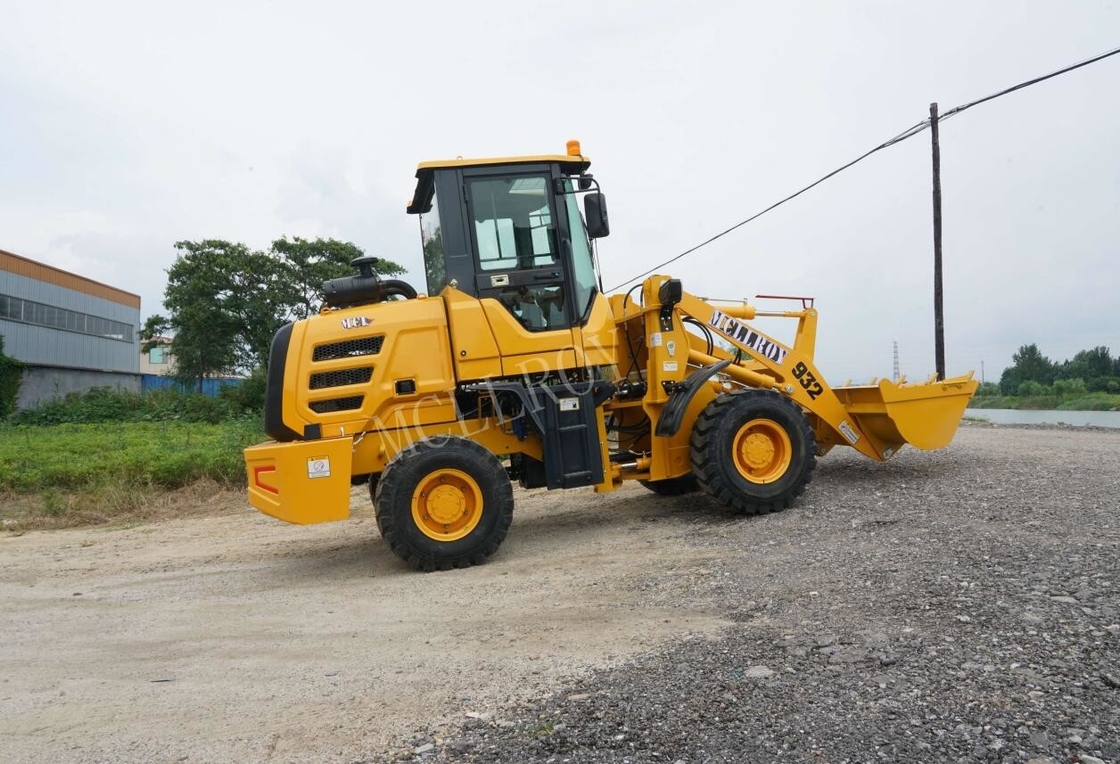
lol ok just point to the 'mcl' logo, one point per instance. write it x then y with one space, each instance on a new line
355 322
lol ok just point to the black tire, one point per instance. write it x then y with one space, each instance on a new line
739 451
374 479
678 486
467 487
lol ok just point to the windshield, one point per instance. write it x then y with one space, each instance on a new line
582 265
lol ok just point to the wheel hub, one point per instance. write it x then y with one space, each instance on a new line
446 504
762 452
757 450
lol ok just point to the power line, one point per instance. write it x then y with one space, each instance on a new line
904 135
908 133
958 109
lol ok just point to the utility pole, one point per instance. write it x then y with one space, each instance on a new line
938 311
896 372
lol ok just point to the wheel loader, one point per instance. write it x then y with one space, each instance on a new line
514 365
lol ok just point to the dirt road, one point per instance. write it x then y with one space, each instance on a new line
238 638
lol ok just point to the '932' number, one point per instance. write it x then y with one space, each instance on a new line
808 381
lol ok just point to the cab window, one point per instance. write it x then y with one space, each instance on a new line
513 223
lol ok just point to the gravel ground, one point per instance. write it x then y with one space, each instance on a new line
959 605
954 606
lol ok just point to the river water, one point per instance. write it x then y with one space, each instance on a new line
1021 416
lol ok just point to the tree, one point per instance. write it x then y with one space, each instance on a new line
209 301
308 264
987 389
152 332
226 302
1067 388
1029 365
11 372
1088 364
1096 367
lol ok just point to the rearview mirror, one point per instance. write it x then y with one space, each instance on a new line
595 210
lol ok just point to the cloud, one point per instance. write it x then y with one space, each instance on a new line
142 124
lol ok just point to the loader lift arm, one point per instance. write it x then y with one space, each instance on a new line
873 420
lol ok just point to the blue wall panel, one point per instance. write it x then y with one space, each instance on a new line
209 386
58 347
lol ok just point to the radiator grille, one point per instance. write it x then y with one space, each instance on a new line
337 404
349 348
341 377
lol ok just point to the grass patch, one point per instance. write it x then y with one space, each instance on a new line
1092 402
79 474
103 404
1081 402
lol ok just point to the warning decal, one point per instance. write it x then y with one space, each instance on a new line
318 467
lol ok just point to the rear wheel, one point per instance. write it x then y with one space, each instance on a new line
444 503
753 450
678 486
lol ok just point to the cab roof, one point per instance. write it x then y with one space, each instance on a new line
425 172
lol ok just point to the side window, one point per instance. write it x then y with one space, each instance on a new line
513 223
537 307
431 239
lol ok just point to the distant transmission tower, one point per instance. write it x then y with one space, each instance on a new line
896 374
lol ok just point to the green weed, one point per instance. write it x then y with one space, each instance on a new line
86 473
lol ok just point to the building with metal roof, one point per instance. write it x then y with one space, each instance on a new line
74 333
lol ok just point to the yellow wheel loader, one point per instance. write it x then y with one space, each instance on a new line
515 366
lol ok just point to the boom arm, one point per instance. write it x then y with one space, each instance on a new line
789 370
875 419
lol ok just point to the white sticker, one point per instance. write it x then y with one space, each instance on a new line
667 366
671 348
655 340
319 468
847 431
569 404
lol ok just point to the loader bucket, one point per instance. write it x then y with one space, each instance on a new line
924 414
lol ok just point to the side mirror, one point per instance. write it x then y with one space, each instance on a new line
595 210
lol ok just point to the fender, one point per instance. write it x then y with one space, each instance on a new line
673 414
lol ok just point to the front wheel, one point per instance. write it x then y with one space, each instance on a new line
444 503
753 450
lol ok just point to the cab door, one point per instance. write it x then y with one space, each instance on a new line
521 275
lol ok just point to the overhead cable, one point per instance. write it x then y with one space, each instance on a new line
905 134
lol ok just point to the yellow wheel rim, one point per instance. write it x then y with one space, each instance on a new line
447 505
762 451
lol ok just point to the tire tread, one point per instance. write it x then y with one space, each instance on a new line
709 460
401 472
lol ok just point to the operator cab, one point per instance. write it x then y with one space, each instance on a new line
510 229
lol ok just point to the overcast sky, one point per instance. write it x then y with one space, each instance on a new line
129 126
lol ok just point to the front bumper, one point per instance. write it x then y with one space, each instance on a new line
301 482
